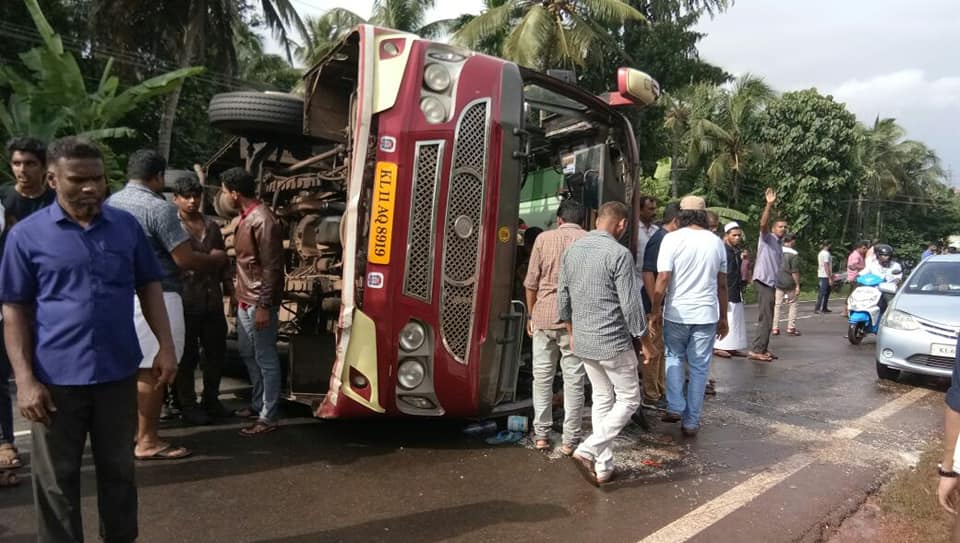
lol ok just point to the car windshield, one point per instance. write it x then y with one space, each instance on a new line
936 278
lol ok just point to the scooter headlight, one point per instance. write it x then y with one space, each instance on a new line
898 320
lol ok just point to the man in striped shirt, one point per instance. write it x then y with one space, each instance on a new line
551 341
598 300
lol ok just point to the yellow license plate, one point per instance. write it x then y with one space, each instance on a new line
381 212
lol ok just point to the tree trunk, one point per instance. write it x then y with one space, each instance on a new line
198 12
675 168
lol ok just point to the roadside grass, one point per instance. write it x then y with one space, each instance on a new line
909 502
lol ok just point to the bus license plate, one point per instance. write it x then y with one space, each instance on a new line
381 213
938 349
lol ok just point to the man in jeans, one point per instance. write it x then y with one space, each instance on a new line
824 273
550 338
598 300
769 256
258 240
692 291
206 325
68 279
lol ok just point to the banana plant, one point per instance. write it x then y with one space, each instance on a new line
49 96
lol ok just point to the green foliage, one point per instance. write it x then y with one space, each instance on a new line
812 162
49 95
551 33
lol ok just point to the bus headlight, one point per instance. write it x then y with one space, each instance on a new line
433 110
410 374
436 77
412 336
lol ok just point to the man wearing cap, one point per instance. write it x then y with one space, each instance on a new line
692 290
766 268
736 339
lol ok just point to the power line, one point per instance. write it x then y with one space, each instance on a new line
129 58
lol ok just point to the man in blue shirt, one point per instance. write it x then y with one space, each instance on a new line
67 280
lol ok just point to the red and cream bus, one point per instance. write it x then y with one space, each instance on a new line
399 176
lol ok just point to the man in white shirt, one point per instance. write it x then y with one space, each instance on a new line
692 289
645 226
824 271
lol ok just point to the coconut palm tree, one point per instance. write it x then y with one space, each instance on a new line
724 130
549 33
197 25
404 15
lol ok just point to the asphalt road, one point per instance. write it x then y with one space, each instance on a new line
785 448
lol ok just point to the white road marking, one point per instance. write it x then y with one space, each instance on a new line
716 509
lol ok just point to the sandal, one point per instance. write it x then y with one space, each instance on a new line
567 449
775 332
541 444
9 457
793 332
246 413
760 357
721 353
8 479
167 452
258 428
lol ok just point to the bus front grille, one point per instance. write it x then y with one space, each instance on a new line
418 275
462 228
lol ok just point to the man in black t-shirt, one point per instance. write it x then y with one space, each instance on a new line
28 160
652 372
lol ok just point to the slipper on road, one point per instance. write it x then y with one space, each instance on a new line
259 428
169 452
9 457
760 357
721 353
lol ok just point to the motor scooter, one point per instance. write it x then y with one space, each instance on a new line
863 308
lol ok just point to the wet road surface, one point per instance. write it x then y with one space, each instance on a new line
785 447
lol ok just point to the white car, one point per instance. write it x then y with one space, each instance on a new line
919 330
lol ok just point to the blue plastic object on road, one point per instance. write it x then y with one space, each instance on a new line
505 436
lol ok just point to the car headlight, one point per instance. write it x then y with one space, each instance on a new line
411 373
898 320
412 336
436 77
433 110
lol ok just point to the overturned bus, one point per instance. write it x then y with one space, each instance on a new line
398 178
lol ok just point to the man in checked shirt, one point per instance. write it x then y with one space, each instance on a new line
598 300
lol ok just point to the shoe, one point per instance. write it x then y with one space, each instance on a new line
793 332
215 409
670 417
654 405
775 332
567 449
689 432
586 468
710 389
604 478
640 419
816 311
826 311
169 412
195 416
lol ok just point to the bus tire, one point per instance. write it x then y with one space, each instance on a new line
257 115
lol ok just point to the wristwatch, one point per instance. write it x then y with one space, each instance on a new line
944 473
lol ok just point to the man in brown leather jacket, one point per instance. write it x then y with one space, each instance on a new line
258 241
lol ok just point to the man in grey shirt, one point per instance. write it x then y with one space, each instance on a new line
766 267
161 223
598 301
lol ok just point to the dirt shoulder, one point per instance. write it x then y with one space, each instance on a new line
904 509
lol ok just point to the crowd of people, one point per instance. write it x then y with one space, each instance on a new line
107 304
643 328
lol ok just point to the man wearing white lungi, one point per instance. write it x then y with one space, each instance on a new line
736 339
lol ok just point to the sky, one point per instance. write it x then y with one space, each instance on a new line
879 57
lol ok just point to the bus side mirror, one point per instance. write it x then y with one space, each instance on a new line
639 87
